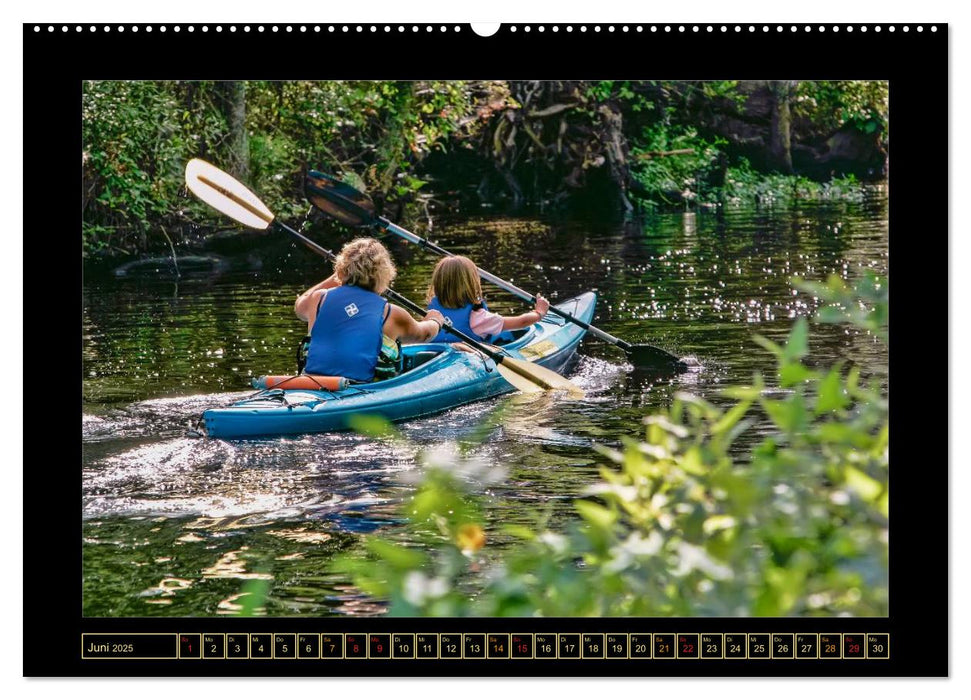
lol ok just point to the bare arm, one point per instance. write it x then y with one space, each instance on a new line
306 304
401 326
511 323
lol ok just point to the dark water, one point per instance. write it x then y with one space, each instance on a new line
180 526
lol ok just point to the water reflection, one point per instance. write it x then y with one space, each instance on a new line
191 520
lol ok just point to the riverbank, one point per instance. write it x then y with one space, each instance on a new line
420 147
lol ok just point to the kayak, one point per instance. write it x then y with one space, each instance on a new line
436 377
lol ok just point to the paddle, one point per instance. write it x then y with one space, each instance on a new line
354 208
226 194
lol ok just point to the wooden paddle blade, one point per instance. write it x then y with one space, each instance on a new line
541 376
226 194
527 386
652 358
338 200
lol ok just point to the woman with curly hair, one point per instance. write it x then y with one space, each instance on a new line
351 326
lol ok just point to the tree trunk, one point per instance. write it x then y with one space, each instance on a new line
234 109
780 130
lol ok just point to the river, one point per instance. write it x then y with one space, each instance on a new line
176 525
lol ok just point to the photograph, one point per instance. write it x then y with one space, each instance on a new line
486 348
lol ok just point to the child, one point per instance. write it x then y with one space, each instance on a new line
456 293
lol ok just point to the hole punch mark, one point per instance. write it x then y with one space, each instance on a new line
485 29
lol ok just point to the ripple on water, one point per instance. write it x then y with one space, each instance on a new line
171 507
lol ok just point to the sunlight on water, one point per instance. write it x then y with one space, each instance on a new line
176 525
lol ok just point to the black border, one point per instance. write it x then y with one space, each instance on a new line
916 64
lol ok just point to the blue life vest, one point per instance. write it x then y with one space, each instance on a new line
346 336
460 321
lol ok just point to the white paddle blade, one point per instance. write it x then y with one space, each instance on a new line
539 375
225 193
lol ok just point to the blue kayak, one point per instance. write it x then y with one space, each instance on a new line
436 378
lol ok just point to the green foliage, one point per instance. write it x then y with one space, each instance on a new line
866 305
744 185
832 104
683 521
622 90
665 177
136 138
138 135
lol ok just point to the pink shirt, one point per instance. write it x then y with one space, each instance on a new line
485 322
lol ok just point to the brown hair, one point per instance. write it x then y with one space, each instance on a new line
365 263
455 282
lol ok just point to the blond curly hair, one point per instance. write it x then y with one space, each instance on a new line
365 263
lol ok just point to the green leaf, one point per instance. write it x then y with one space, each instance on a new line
798 344
520 532
730 418
774 348
372 426
742 393
865 486
789 415
397 556
716 523
693 463
831 396
601 518
792 373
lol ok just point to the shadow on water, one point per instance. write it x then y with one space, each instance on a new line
176 526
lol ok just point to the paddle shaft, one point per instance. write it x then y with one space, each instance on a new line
534 375
394 296
320 250
383 223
